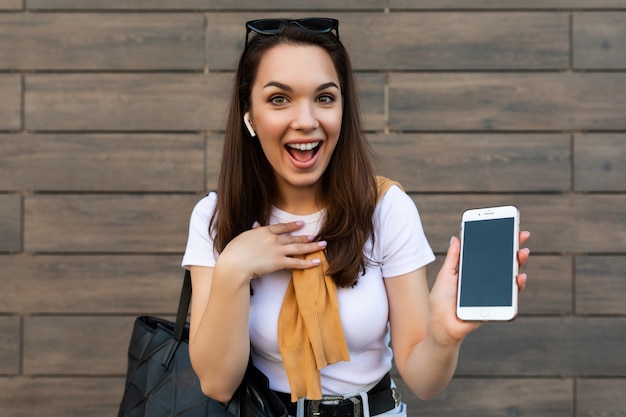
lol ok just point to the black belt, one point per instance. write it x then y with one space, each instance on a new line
381 399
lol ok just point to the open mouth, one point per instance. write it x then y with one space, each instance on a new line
303 152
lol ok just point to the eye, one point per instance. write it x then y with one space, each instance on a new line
326 99
278 100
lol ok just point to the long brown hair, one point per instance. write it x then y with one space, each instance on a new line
247 186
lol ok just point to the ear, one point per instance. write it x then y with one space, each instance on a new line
246 121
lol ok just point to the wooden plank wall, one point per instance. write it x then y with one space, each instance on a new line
110 130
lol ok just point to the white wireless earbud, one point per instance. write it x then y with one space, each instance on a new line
246 121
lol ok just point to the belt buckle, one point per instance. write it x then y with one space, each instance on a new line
313 406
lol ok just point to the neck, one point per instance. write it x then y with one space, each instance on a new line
299 200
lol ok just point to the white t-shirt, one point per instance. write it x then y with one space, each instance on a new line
400 247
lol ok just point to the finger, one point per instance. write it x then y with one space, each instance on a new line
303 248
451 262
307 248
283 228
521 281
290 239
302 263
524 236
522 256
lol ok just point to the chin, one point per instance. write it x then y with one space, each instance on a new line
304 180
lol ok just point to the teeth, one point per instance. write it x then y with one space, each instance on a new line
303 146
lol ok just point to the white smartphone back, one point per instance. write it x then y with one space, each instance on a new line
487 288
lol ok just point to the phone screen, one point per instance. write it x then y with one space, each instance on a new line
487 263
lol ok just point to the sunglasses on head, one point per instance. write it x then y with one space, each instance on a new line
274 26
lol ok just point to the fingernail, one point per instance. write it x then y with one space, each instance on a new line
316 261
255 225
322 243
451 240
300 223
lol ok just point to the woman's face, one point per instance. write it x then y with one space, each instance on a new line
296 111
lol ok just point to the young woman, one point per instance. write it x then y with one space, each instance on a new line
297 195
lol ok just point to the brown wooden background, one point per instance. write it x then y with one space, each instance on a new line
110 127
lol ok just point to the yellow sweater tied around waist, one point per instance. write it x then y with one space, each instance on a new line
310 333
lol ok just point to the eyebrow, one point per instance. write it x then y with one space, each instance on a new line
288 88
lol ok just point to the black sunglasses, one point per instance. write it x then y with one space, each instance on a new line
274 26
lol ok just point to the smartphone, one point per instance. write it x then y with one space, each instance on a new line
487 287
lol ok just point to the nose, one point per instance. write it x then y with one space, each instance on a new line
305 118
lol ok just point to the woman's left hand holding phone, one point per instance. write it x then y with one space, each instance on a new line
444 292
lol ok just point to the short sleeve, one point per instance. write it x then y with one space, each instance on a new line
402 242
199 250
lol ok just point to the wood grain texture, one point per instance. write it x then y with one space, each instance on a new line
111 129
598 40
444 5
78 345
531 346
475 162
60 396
426 41
497 397
10 223
84 162
243 5
549 286
98 284
126 102
454 41
226 33
214 147
562 224
600 162
329 5
225 39
151 102
10 105
507 101
107 223
115 4
601 397
10 331
97 41
600 285
373 100
11 4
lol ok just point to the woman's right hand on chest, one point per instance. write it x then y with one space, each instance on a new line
266 249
